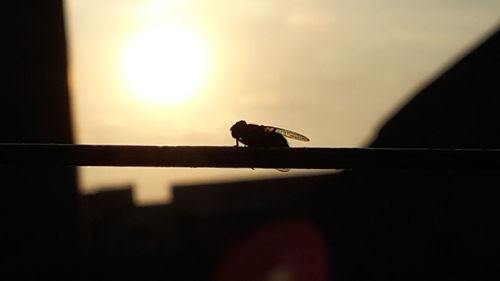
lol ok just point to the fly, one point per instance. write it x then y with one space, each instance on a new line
252 135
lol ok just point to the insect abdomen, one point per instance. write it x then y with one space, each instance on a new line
258 137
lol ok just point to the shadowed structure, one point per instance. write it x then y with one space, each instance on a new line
39 210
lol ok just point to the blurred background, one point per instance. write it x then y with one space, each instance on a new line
182 72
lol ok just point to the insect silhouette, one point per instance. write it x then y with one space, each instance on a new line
252 135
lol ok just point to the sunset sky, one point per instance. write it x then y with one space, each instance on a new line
182 72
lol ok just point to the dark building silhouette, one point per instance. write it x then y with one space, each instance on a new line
39 207
112 223
122 241
187 238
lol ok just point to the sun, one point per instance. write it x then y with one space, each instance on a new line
165 65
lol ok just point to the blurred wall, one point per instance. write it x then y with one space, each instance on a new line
40 227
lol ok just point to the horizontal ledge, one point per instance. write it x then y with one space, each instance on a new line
244 157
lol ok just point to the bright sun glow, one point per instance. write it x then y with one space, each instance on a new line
165 65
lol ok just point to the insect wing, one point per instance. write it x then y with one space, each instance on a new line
286 133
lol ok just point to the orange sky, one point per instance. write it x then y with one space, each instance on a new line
332 70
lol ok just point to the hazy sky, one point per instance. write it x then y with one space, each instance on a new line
332 70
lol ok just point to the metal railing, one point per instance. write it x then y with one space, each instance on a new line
244 157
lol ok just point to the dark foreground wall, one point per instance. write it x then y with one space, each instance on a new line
39 218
